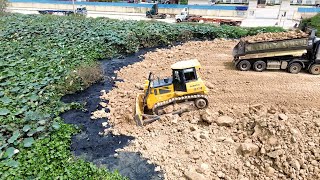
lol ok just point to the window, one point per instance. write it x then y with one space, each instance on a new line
318 53
164 90
176 76
189 74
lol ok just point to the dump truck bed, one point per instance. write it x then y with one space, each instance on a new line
244 48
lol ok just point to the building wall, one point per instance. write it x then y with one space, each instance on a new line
296 2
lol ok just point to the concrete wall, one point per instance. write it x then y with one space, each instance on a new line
122 9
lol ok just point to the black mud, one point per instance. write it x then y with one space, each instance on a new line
101 149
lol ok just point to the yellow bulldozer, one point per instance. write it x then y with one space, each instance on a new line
184 90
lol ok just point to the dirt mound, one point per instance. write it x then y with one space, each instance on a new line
257 125
262 37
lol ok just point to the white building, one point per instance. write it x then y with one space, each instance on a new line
271 2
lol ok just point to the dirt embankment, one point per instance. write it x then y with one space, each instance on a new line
259 125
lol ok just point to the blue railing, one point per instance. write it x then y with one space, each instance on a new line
309 10
122 4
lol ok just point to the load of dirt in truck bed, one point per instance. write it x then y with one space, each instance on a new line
264 37
259 125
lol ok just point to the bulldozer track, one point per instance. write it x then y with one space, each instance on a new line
178 99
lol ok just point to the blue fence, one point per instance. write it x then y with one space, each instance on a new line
309 10
172 6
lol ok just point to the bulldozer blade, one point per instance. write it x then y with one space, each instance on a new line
139 109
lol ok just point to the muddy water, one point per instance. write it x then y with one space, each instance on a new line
101 149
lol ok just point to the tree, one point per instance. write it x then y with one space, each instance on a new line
3 5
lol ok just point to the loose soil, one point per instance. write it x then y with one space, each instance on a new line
259 125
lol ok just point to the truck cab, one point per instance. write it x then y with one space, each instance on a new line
183 15
81 11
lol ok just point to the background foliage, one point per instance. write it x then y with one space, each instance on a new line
44 57
313 22
3 5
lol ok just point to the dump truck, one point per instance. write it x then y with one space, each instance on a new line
184 16
184 91
291 54
153 13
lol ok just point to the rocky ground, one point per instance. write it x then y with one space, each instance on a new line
259 125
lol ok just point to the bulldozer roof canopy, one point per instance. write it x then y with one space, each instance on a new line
186 64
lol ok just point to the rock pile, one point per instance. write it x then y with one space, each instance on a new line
254 128
262 37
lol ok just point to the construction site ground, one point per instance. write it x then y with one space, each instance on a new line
259 125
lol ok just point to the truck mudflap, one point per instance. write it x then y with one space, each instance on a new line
235 61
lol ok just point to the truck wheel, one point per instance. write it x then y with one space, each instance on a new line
201 103
315 69
178 20
244 65
295 68
259 66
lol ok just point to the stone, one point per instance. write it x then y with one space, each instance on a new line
104 124
204 166
295 164
314 162
169 109
272 110
249 149
225 121
204 135
283 117
317 122
206 116
139 86
193 175
103 104
115 155
229 140
194 120
157 169
295 132
220 139
197 137
213 149
209 85
220 174
273 140
270 171
175 119
187 151
257 131
275 154
193 128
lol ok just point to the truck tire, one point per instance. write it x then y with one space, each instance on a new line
259 66
178 20
244 65
294 68
315 69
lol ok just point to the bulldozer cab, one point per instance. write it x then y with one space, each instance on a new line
184 72
183 76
